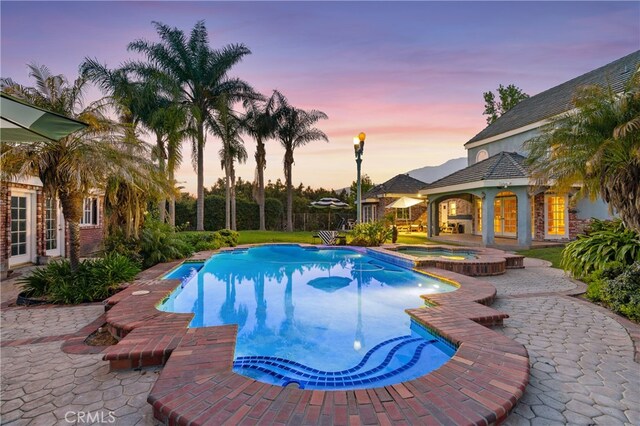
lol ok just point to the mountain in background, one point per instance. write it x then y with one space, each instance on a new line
430 174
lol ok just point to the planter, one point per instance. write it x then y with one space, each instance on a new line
23 300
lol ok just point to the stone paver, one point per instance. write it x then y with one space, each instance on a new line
582 367
20 323
42 385
537 277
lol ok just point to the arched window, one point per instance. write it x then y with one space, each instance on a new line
482 155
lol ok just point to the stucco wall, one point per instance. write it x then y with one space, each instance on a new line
510 144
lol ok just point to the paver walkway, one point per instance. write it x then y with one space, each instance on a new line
582 371
582 361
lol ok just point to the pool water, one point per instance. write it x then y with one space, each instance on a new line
319 318
445 254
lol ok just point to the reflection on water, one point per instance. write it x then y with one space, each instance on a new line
288 301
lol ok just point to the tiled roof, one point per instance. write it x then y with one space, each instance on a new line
558 99
504 165
400 184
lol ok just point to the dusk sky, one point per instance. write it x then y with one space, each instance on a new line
410 75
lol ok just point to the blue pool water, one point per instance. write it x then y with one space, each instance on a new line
445 254
321 318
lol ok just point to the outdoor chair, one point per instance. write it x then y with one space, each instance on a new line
330 238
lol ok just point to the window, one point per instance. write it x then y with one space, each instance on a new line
452 208
403 213
556 216
369 213
89 211
18 226
50 224
482 155
479 214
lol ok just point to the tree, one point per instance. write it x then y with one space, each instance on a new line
365 185
143 102
509 97
295 130
227 126
199 75
595 146
261 124
83 161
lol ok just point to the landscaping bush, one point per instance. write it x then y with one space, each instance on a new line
116 242
604 242
622 294
160 243
370 234
95 279
596 280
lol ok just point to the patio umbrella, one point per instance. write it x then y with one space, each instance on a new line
22 122
404 203
330 204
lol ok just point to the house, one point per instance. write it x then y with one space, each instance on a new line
32 228
375 202
495 191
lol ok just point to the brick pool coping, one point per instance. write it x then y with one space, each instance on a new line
488 261
481 383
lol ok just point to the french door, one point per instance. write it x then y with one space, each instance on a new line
53 228
21 229
505 219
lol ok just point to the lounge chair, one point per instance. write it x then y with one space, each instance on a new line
330 238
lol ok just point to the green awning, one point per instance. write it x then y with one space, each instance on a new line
22 122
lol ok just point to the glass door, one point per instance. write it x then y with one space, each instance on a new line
54 235
505 215
20 235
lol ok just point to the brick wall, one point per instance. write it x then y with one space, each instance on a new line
576 225
5 230
538 216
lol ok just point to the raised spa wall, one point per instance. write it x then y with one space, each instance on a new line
488 261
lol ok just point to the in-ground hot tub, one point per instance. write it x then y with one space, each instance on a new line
463 260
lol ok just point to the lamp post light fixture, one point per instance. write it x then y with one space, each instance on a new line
358 146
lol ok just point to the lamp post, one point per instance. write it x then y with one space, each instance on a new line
358 146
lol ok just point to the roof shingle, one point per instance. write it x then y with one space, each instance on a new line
400 184
504 165
558 99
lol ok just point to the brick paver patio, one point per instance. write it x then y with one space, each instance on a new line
582 361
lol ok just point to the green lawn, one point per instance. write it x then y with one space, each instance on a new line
552 254
256 237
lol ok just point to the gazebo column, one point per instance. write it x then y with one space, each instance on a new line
524 217
432 220
488 233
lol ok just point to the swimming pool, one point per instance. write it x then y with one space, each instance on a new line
319 318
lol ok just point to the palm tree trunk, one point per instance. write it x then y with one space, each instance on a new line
288 163
227 197
72 212
261 161
162 204
233 197
200 201
172 202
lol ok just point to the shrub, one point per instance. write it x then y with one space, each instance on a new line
229 237
116 242
605 241
95 279
160 243
622 294
596 280
370 234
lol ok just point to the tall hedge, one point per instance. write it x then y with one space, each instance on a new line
247 215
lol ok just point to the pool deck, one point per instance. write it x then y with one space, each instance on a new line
581 356
481 383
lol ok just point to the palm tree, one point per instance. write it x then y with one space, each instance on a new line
80 162
199 74
261 124
595 146
295 130
227 126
